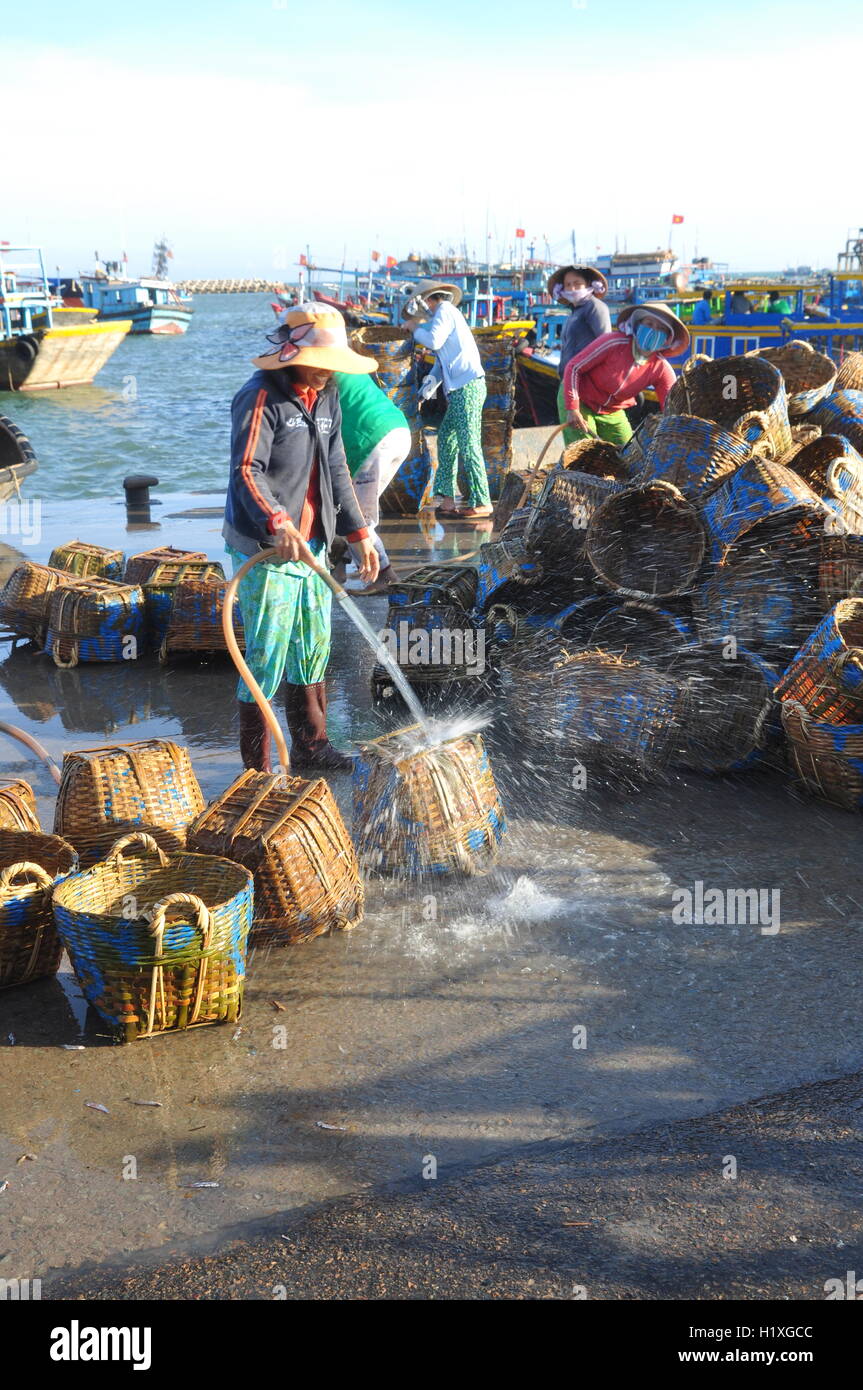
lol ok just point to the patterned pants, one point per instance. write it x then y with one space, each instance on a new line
460 436
286 617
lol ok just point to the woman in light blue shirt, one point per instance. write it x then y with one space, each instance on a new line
436 323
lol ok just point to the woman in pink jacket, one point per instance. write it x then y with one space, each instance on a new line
601 383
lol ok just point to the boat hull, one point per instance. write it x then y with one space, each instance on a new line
17 458
151 318
53 357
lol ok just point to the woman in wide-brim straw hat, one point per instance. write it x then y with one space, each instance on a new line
290 488
583 288
602 381
436 323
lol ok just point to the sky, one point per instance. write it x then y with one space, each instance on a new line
246 130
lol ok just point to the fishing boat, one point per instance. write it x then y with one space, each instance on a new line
39 351
152 303
17 458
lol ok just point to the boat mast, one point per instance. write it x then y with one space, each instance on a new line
162 253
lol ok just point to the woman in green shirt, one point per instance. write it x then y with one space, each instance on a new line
377 441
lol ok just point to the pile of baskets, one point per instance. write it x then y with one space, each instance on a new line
85 606
691 569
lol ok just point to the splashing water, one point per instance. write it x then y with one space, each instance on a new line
409 743
526 902
386 659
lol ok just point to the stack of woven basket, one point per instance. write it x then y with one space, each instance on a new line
679 576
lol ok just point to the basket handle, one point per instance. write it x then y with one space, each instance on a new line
158 923
800 342
558 429
144 842
756 417
696 357
26 866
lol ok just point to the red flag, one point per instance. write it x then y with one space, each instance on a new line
5 243
376 255
303 260
519 231
391 261
677 218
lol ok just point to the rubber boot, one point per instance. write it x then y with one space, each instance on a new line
306 707
254 737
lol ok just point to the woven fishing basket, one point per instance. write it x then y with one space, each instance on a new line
434 585
77 557
435 646
849 377
827 758
647 542
826 675
95 620
140 567
500 389
609 714
496 449
832 469
26 597
728 391
104 792
840 571
157 944
393 349
558 527
18 806
497 352
517 524
642 632
503 568
842 413
801 435
598 458
808 375
160 590
694 455
765 599
634 452
729 713
290 835
421 810
30 865
195 624
762 502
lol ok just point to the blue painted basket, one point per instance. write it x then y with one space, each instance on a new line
761 501
743 394
833 469
729 716
762 601
88 561
420 810
694 455
826 675
827 758
96 620
842 413
157 945
609 713
642 632
808 375
30 865
503 567
161 587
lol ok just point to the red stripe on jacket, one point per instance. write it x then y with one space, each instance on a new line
606 376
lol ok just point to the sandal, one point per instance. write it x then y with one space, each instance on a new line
475 513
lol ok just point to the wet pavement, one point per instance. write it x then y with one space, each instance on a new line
445 1026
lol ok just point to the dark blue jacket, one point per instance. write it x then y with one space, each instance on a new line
274 441
586 322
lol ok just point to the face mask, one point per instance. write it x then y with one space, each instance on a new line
573 296
648 338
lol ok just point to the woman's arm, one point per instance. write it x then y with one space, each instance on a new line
434 333
663 380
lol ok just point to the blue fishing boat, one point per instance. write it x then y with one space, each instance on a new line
154 306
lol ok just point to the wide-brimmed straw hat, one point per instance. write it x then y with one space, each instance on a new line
313 335
425 288
587 272
658 310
